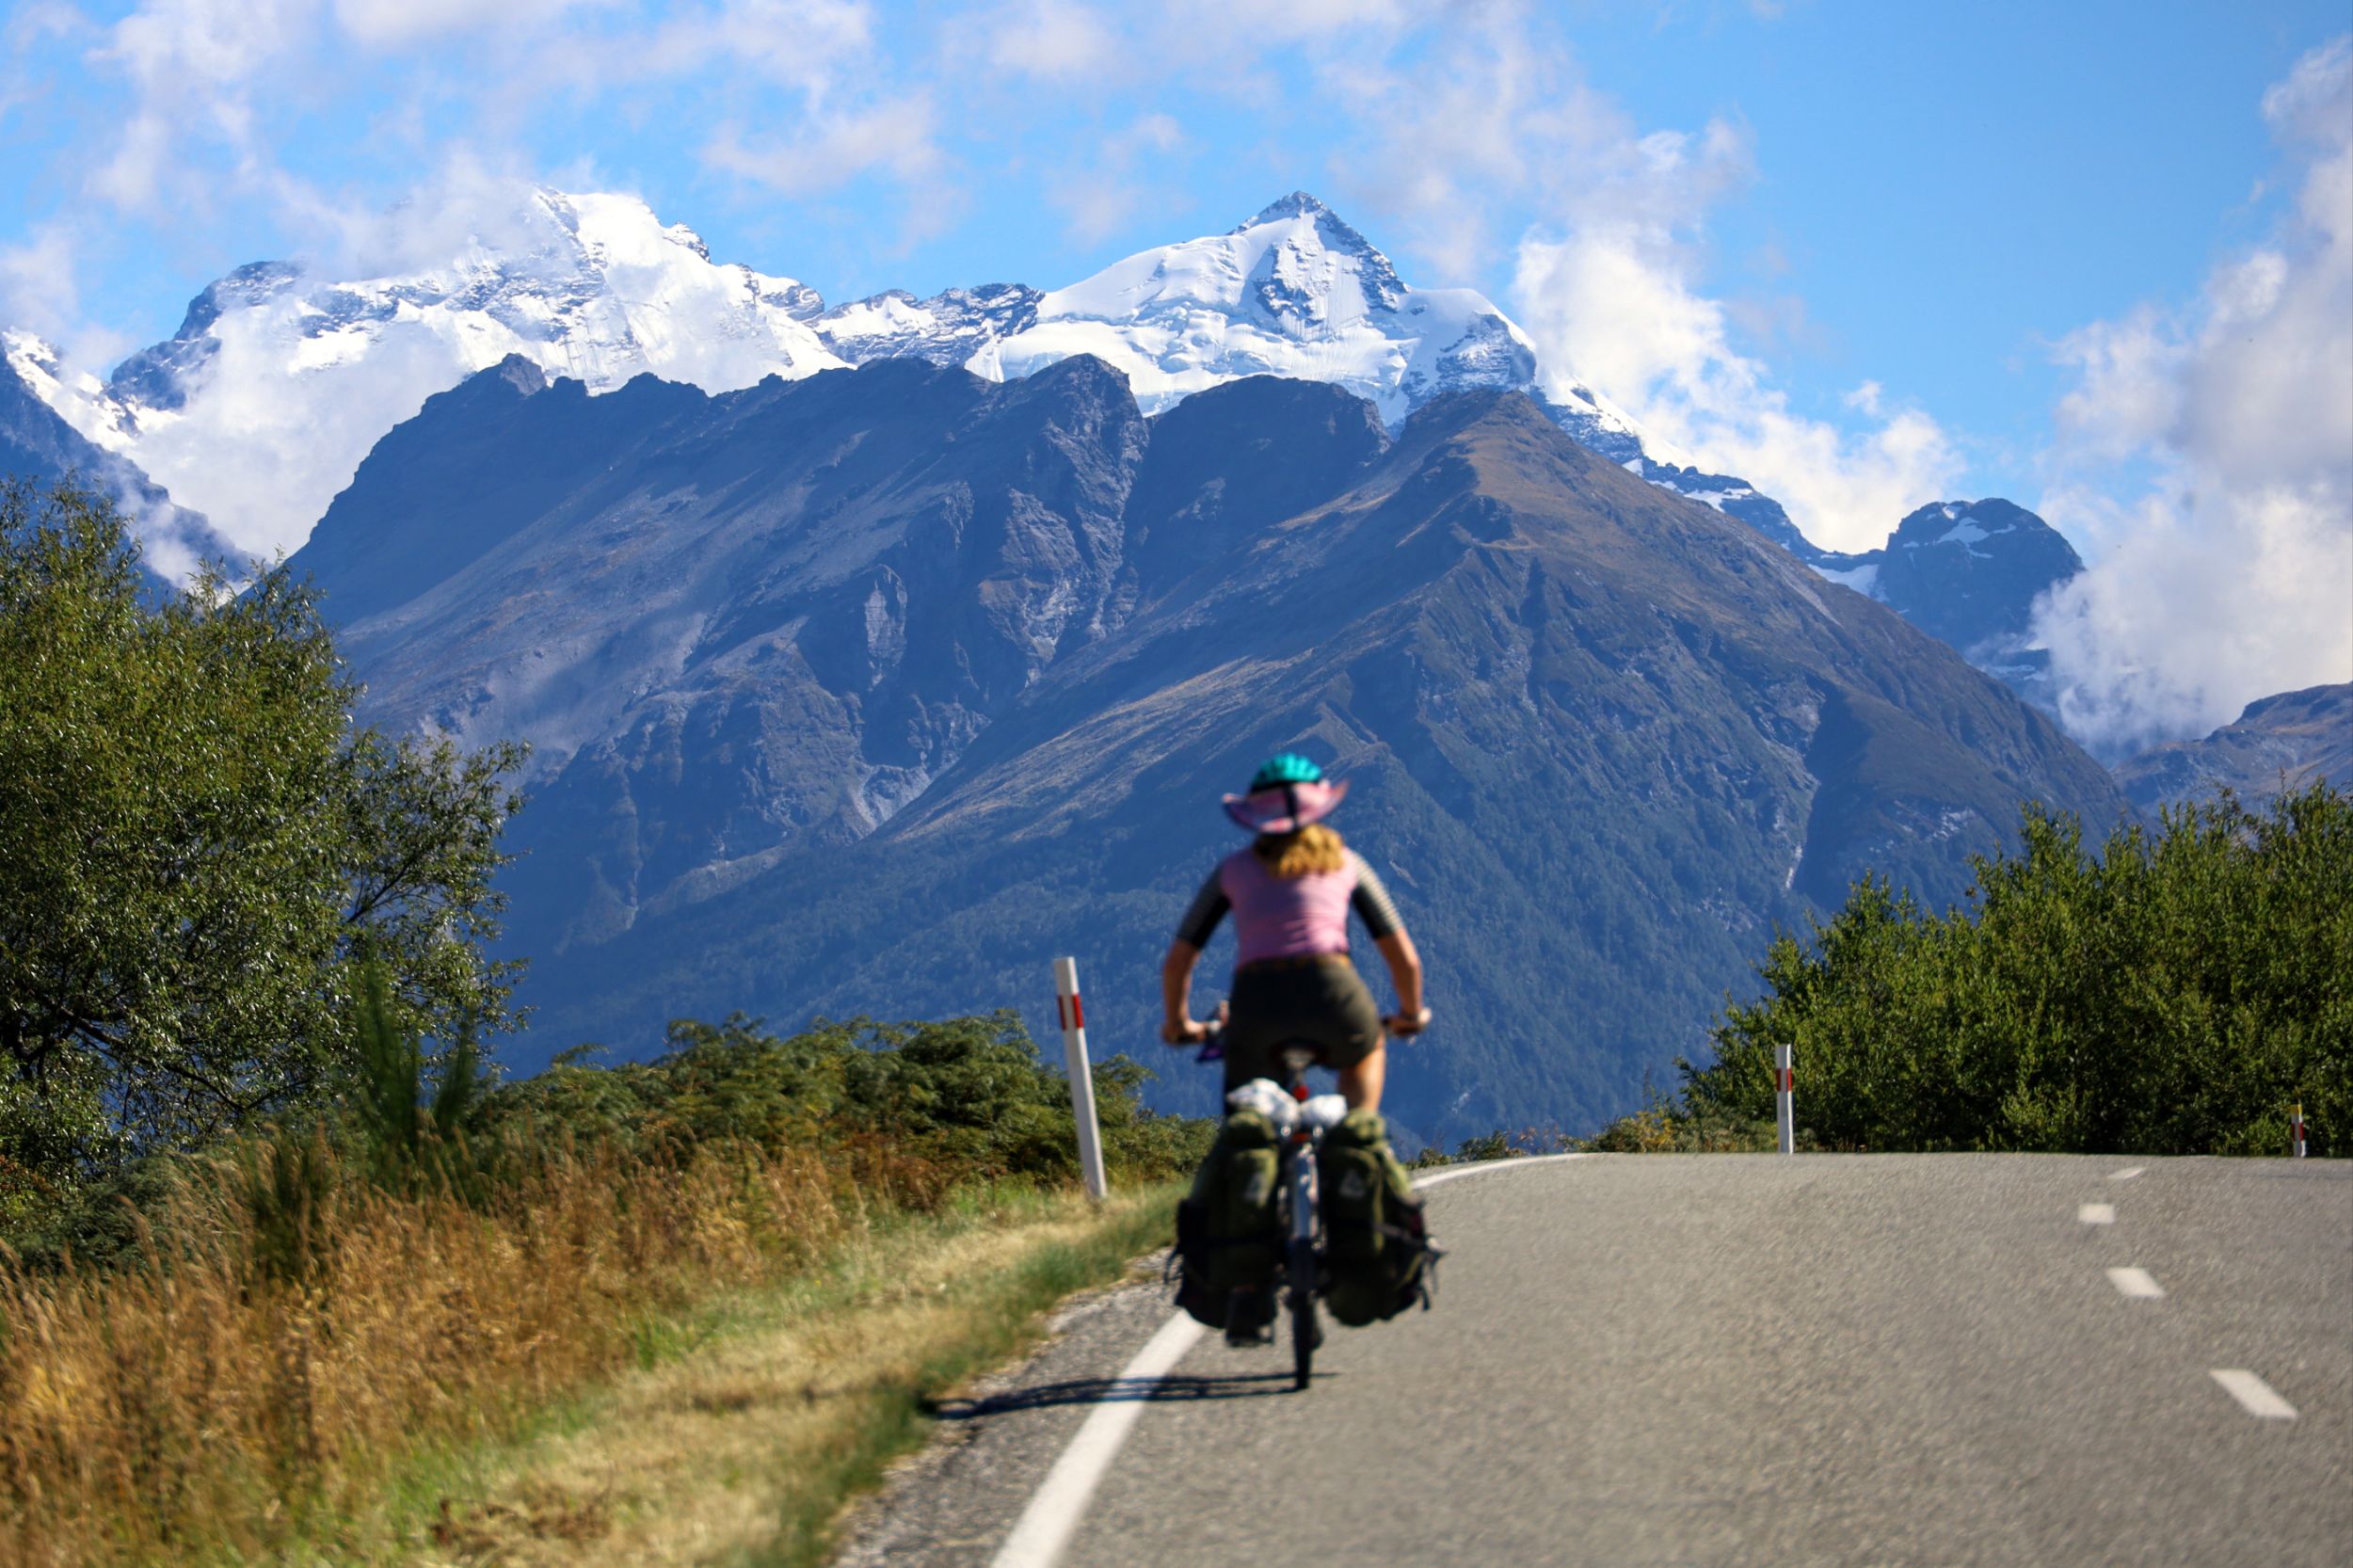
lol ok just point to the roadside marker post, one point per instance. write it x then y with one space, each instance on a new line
1072 1012
2296 1129
1784 1094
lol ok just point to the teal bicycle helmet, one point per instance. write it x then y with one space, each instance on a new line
1286 767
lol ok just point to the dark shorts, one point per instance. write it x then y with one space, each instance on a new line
1324 1002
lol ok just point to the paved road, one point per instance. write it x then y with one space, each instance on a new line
1733 1360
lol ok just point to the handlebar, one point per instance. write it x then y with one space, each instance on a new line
1213 1037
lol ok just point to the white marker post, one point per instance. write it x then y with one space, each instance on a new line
1073 1015
1785 1095
2296 1129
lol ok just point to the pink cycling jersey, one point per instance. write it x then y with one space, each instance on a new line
1295 918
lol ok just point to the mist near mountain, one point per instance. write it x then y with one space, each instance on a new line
2287 742
39 448
875 691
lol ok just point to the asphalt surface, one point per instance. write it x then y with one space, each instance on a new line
1733 1360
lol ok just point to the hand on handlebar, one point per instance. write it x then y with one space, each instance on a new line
1189 1032
1402 1024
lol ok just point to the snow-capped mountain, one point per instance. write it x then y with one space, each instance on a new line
1293 292
260 407
278 382
1969 572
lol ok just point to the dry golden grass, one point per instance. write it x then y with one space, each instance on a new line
744 1449
211 1405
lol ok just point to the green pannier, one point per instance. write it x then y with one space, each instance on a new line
1376 1240
1226 1233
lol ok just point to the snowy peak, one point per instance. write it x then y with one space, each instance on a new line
260 407
948 329
1299 203
1295 268
1969 572
1293 292
279 380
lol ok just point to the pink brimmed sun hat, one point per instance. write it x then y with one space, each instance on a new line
1285 794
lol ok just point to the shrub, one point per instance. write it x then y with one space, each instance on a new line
2174 994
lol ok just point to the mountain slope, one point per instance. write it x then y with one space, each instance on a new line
2289 741
872 692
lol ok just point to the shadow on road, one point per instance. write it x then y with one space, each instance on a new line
1111 1391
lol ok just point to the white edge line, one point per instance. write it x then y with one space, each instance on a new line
1052 1515
1485 1166
2136 1283
1061 1501
2254 1393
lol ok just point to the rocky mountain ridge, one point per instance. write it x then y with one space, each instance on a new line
876 690
2286 742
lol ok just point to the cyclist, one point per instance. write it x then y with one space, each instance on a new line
1290 893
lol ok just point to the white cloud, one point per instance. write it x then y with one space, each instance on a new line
1126 178
1612 305
896 138
1055 41
806 45
1488 113
41 281
2231 577
395 23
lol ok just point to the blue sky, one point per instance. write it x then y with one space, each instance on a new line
1934 193
1864 254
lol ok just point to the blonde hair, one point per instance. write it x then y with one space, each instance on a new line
1305 852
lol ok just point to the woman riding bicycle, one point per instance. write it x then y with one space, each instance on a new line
1290 893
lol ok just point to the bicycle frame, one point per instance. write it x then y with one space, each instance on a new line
1304 1256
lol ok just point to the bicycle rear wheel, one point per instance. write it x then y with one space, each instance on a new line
1302 1305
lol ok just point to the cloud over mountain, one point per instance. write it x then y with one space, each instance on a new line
2228 577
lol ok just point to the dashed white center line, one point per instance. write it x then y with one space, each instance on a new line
2135 1282
2097 1213
2255 1393
2127 1172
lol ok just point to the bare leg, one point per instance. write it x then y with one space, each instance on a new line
1360 1085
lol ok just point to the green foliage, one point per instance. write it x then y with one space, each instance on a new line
968 1095
200 848
2175 993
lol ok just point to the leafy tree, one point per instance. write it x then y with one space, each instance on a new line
2174 994
198 853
